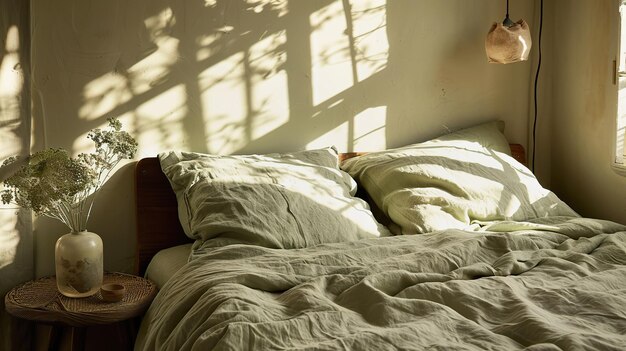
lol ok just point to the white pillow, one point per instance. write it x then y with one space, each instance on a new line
278 200
462 180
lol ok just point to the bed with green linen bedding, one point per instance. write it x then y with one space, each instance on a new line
285 257
559 287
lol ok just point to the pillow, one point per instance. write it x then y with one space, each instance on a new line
462 180
488 135
277 200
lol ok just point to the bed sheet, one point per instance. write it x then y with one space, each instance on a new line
550 284
166 263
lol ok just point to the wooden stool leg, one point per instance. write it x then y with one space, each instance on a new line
22 332
132 326
54 336
78 339
125 335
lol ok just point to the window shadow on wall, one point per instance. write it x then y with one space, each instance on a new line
218 76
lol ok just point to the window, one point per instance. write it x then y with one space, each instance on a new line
620 151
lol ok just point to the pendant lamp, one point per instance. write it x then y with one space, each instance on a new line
509 41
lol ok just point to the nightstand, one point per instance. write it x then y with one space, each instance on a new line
39 302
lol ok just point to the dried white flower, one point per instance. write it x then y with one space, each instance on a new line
55 185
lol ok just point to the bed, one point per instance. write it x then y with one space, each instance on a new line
538 279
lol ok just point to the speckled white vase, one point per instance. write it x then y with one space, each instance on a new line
78 261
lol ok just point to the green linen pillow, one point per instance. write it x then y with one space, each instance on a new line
463 180
488 135
277 200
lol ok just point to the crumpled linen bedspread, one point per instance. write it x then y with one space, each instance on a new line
560 283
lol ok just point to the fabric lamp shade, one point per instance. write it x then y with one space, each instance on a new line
508 44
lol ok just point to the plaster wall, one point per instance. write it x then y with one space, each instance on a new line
545 87
585 107
16 242
264 76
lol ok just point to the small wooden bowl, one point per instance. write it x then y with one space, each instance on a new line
112 292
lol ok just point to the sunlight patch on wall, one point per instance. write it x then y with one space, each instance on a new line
348 45
11 149
331 67
269 5
9 238
370 35
12 81
369 129
82 144
12 42
204 42
155 124
269 93
223 98
155 69
159 122
11 84
103 94
113 89
158 25
337 137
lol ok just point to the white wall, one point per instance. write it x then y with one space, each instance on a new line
228 77
584 108
16 242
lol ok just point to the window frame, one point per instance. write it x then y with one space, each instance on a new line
618 162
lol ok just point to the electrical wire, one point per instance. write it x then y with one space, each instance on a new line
507 8
536 83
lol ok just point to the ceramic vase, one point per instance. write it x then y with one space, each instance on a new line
78 261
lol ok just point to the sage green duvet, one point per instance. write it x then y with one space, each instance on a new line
558 283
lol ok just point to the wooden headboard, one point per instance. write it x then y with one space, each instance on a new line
157 212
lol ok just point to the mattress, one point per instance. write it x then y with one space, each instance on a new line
166 263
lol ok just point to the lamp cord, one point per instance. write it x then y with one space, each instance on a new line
536 82
507 8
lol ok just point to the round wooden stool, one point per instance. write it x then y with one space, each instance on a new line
39 301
